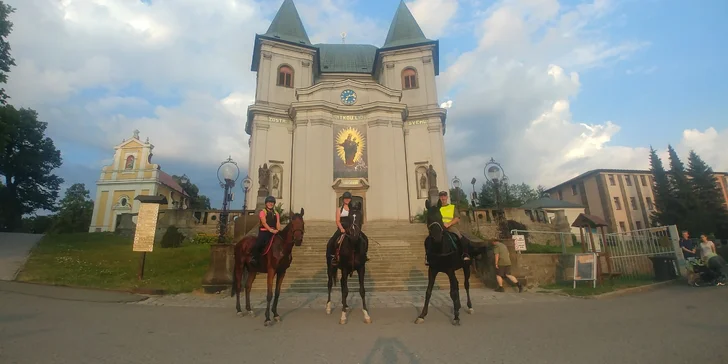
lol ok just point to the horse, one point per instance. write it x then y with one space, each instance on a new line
444 256
349 262
275 261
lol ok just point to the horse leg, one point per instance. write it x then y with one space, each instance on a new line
455 295
344 294
248 287
362 293
431 275
279 281
332 276
237 283
466 273
269 295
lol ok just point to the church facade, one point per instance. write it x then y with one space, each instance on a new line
330 118
131 174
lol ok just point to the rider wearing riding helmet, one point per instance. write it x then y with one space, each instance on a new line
270 224
343 222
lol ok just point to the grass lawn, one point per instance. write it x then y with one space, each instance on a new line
105 260
585 288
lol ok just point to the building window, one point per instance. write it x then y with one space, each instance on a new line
561 195
650 205
643 180
129 162
627 180
611 180
638 224
652 181
285 76
123 202
617 204
409 79
633 202
622 227
574 191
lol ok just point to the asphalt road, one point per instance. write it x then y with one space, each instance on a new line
674 324
14 250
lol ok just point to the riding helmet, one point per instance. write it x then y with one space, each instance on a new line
270 199
346 194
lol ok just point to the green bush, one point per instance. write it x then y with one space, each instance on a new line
421 217
203 239
172 238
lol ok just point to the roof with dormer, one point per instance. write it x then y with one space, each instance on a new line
287 27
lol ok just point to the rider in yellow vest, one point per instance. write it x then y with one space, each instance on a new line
450 217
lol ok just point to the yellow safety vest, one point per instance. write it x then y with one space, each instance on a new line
447 212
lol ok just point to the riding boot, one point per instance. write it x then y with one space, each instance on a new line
427 263
465 243
332 243
365 247
255 255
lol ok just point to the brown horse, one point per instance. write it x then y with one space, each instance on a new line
349 262
275 262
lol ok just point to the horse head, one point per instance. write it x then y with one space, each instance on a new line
354 230
435 226
298 227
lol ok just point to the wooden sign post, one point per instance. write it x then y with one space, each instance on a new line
146 227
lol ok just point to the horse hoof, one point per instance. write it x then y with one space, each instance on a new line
456 322
367 320
251 314
268 323
328 308
470 311
328 311
277 318
342 322
419 320
240 313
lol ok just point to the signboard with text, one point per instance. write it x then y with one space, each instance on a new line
146 227
520 243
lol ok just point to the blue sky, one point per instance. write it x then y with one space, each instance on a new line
554 88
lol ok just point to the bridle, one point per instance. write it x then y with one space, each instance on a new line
438 224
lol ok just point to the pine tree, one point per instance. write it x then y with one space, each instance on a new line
665 200
710 214
685 199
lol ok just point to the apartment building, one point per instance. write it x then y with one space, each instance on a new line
623 198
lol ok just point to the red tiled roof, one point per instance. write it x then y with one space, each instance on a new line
168 181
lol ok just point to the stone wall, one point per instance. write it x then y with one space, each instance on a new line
189 222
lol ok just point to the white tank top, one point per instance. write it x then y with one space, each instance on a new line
705 249
344 212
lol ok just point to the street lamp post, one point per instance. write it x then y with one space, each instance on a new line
184 180
219 274
456 186
474 197
227 174
494 173
247 183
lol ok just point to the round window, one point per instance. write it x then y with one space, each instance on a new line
213 217
123 202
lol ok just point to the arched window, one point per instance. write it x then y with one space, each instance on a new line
409 78
285 76
129 162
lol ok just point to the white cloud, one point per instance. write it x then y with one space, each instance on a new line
709 145
433 16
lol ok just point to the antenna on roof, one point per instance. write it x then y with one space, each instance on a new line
343 37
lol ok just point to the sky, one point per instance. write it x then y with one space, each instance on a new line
548 88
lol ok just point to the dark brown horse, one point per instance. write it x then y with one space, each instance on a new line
445 256
350 261
277 259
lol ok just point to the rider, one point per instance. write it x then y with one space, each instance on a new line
343 221
270 224
450 217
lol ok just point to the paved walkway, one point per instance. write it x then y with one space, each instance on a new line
440 298
14 250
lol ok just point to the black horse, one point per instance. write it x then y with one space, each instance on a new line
445 256
350 260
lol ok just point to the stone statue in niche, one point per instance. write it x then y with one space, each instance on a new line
432 177
423 181
275 185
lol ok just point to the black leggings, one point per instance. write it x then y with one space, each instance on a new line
264 237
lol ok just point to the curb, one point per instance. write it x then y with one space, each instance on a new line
18 287
626 291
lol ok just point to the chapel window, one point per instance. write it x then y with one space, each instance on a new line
409 79
285 76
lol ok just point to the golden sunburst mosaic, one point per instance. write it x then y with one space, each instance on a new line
350 145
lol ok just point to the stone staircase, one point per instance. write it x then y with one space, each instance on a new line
396 261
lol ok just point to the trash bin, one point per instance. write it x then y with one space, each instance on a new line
664 268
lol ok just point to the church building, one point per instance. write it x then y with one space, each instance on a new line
330 118
131 174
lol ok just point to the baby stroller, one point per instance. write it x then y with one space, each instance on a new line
712 273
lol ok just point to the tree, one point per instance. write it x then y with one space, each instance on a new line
511 196
459 198
197 201
684 198
486 197
40 224
26 165
710 216
6 26
666 208
76 210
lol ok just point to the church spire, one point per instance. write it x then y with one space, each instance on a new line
287 25
404 29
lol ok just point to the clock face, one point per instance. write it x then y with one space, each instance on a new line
348 97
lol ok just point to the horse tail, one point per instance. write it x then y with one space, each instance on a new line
236 265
